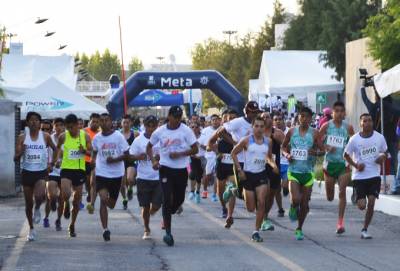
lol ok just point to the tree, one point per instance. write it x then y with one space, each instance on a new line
383 31
100 66
134 65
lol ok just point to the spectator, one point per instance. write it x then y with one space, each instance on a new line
327 116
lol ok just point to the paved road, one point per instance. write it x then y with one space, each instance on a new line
201 242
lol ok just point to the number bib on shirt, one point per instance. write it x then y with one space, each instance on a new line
33 158
299 154
368 153
335 141
226 158
108 153
75 155
258 161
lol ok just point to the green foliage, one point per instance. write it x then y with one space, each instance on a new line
134 65
383 30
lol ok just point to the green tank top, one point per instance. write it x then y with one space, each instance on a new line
336 137
299 146
72 157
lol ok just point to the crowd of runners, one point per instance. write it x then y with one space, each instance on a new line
257 158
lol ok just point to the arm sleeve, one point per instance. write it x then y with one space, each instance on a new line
123 143
94 143
190 138
349 147
383 145
154 139
133 149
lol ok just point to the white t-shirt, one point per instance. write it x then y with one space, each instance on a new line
201 152
178 140
145 169
366 150
239 128
113 145
206 134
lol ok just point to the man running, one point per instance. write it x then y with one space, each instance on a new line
177 144
197 166
334 134
366 152
110 149
32 146
299 148
149 191
74 144
279 123
53 182
257 152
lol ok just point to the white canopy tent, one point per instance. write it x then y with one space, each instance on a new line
388 82
296 72
53 99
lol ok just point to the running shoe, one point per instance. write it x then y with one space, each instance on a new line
53 205
46 223
267 225
224 212
180 210
31 235
191 195
125 203
146 235
197 198
299 234
81 206
58 225
227 193
228 222
340 229
106 235
90 208
71 231
281 213
293 213
130 194
168 239
214 198
255 237
204 194
365 235
36 216
67 211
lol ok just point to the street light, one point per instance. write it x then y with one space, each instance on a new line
229 33
39 21
11 35
62 47
160 58
48 34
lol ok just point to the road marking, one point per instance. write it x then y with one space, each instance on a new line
266 251
11 262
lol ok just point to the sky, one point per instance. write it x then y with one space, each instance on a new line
150 28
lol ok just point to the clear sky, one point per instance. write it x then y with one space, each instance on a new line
150 28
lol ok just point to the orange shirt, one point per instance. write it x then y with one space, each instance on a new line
91 135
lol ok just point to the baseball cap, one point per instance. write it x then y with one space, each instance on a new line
175 111
327 111
252 106
150 119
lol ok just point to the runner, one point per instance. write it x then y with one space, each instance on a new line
90 182
177 144
365 152
224 170
32 146
73 144
253 175
130 171
274 186
110 149
210 155
197 164
53 182
279 123
334 135
299 147
149 191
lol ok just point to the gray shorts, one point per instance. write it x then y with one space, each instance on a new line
149 192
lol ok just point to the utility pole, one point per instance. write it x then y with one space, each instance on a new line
229 33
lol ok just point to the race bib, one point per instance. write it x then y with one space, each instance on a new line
75 155
259 162
335 141
33 158
108 153
369 153
299 154
226 158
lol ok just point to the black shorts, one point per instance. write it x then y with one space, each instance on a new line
149 192
56 179
76 176
30 178
196 173
223 171
113 185
368 187
129 164
88 168
274 179
253 180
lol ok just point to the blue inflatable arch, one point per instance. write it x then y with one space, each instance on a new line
212 80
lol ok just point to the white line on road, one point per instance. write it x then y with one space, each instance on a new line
11 262
268 252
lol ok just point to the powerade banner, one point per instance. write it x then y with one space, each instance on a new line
53 104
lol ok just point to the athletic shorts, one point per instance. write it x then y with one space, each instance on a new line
149 192
210 166
304 179
254 180
223 171
129 164
88 168
30 178
197 170
284 170
113 185
53 178
76 176
334 169
368 187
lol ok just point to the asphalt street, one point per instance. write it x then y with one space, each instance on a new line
201 241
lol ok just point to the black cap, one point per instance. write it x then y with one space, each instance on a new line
175 111
150 119
252 106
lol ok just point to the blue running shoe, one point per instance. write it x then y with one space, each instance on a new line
46 223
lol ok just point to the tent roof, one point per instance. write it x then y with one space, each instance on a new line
296 72
253 89
388 82
54 99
